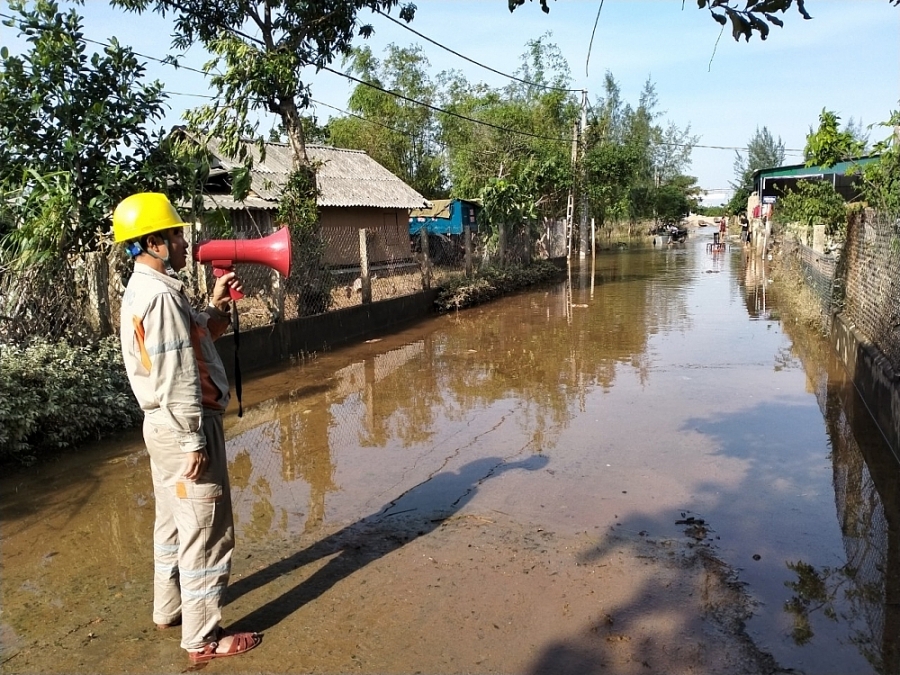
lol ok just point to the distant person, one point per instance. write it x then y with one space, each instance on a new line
179 381
745 228
723 228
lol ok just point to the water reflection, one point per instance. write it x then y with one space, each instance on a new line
639 381
754 283
863 593
543 353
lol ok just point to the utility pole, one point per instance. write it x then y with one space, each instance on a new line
583 205
570 202
578 174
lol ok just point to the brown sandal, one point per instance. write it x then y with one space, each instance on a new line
240 643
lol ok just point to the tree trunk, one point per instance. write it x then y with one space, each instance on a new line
293 126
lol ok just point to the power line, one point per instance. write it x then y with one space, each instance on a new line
447 112
170 62
473 61
370 121
587 60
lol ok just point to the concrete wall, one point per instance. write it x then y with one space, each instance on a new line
267 346
872 375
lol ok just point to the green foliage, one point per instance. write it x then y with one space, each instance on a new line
505 202
763 152
55 396
756 16
459 292
310 281
400 135
881 180
537 160
673 202
634 166
259 54
814 203
738 201
711 211
828 145
75 134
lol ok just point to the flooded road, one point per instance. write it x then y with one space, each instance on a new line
639 470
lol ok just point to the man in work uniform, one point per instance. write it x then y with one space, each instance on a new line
180 383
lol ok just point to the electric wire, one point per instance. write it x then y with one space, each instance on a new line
554 139
371 121
171 63
587 60
473 61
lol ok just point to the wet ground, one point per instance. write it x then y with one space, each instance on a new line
641 470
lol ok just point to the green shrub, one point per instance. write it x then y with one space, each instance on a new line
459 291
54 396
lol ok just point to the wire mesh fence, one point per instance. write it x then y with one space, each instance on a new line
819 272
79 298
872 293
867 533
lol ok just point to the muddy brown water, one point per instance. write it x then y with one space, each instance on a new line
639 470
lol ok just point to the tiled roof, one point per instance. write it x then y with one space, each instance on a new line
344 178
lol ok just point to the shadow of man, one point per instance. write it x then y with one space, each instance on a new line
423 507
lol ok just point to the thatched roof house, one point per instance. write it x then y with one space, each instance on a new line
355 192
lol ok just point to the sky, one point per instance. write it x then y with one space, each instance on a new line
846 59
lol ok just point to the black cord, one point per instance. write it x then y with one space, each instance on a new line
237 361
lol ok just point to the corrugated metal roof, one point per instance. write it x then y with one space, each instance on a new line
344 178
801 170
213 202
440 208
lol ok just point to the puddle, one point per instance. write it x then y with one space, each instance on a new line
415 503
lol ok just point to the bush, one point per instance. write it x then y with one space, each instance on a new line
459 292
54 396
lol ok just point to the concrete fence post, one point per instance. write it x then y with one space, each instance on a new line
467 241
426 258
96 277
365 279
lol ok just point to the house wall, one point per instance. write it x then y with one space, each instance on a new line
388 228
251 223
388 234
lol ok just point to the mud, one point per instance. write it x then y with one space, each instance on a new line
622 474
471 592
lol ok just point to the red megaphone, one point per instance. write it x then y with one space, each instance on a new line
273 251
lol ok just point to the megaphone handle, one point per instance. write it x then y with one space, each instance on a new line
222 271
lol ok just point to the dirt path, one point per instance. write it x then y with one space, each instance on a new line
477 593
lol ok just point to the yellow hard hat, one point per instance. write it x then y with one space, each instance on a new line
143 213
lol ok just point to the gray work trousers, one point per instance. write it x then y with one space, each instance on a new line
193 537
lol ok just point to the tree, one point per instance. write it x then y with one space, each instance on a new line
672 201
763 152
814 202
400 135
828 145
633 166
756 16
75 134
525 138
881 179
262 48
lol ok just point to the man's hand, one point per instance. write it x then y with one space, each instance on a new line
221 299
196 464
